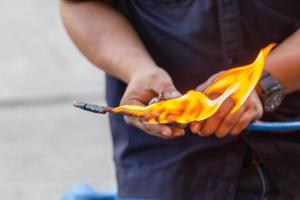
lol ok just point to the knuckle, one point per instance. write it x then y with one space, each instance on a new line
155 76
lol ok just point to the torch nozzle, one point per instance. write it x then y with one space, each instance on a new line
92 107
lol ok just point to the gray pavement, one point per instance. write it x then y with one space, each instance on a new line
46 145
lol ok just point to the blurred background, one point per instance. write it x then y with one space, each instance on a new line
46 145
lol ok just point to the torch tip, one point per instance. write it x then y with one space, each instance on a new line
91 107
77 104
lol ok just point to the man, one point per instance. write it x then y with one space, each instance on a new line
151 47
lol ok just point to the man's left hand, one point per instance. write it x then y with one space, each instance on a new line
224 123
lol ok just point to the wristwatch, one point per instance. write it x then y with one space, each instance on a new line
270 91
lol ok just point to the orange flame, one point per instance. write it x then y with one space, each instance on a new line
236 83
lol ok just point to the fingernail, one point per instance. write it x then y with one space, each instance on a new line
166 133
179 132
201 134
172 95
195 128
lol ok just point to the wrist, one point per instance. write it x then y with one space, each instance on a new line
150 72
138 67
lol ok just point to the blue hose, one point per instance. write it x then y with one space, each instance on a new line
274 126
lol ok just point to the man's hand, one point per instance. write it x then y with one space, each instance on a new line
111 43
144 86
224 123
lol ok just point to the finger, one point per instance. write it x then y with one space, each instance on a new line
177 131
166 88
152 129
160 130
242 123
229 122
202 87
247 117
196 126
254 111
211 125
165 131
157 130
256 106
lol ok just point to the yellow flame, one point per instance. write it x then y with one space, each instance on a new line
236 83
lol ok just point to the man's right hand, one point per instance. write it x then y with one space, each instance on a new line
109 41
143 87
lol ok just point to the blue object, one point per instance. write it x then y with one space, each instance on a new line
274 126
86 192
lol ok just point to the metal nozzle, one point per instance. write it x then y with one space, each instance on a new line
91 107
104 109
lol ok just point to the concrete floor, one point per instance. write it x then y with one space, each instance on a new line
46 145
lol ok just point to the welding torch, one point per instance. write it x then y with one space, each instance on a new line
255 126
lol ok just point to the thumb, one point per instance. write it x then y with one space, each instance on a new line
166 88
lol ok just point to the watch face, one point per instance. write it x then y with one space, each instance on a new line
271 92
273 101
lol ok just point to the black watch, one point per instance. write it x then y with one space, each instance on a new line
270 91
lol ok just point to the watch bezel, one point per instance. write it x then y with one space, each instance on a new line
274 99
270 91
